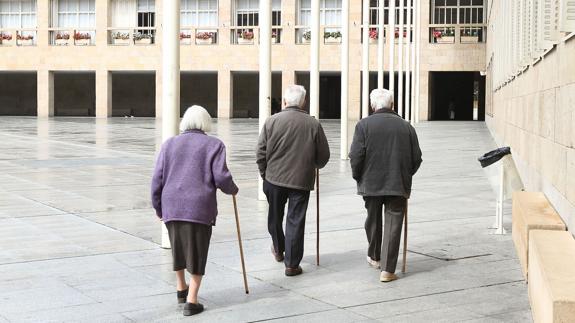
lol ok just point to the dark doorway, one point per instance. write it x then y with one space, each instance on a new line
456 96
75 94
199 89
133 94
329 93
246 93
18 94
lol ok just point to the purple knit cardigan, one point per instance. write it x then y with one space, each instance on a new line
189 170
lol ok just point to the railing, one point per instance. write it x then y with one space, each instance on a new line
450 34
72 37
246 35
140 36
199 35
331 34
18 37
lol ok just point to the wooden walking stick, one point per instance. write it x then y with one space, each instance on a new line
241 247
405 240
317 220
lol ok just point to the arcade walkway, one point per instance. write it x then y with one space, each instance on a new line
78 237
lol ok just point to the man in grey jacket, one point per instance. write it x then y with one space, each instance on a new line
291 146
384 156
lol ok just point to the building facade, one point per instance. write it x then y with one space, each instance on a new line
102 58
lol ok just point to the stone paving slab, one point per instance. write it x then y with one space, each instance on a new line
77 231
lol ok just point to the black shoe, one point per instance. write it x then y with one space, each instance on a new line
278 257
294 271
182 295
193 309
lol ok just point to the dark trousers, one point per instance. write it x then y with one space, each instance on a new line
292 242
386 248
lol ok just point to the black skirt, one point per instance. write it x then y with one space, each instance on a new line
190 243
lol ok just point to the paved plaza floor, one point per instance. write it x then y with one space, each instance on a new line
79 239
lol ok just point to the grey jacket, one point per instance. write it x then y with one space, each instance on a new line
291 146
384 155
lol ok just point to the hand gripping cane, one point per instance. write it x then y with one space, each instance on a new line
241 247
403 268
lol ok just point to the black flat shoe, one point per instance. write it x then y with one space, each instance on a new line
193 309
182 295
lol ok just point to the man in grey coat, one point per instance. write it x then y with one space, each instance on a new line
384 156
291 146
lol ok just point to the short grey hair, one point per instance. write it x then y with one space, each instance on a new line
381 99
196 118
294 95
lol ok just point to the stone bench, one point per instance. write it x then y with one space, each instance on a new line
531 211
552 276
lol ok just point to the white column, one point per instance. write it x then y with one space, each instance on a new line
418 57
416 26
314 62
344 77
408 65
265 19
380 43
400 61
392 46
170 78
365 61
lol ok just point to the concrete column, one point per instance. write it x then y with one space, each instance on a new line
392 46
344 77
225 86
288 78
400 60
314 61
102 14
418 59
380 43
265 22
103 94
365 61
159 93
45 93
170 78
43 19
408 65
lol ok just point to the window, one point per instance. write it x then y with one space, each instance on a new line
458 11
74 14
374 11
146 15
247 12
18 14
330 12
200 13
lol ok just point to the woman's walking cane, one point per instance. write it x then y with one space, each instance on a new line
405 240
241 247
317 221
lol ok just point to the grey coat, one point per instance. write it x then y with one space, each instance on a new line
384 155
291 146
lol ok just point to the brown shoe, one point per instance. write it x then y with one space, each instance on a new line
293 271
278 257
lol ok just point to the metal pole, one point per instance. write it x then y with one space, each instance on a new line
365 61
413 54
241 245
265 72
170 79
418 56
400 61
392 46
380 43
314 64
344 78
408 65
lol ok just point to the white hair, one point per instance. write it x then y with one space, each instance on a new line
294 95
196 118
381 99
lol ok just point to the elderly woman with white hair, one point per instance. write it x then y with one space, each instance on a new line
189 170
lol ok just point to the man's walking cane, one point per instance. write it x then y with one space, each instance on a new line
317 220
405 240
240 243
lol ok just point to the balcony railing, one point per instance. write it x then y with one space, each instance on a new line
18 37
131 36
331 34
450 34
246 35
199 36
72 37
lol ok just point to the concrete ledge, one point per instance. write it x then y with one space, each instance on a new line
552 276
531 211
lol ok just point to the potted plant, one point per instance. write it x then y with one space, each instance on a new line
274 37
120 38
62 39
332 37
142 39
246 37
24 40
306 37
373 36
5 39
446 36
185 38
204 38
397 33
470 36
82 39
